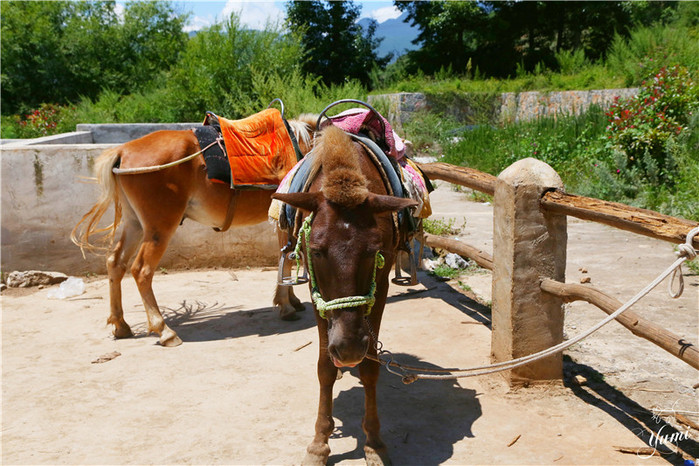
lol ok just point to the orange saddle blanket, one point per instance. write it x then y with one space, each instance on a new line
259 149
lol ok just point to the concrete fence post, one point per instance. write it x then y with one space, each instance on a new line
528 245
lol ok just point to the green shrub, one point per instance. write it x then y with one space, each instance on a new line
46 120
650 48
441 227
642 125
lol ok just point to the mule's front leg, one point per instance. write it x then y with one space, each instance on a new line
318 451
375 450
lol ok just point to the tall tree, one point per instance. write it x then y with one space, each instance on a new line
448 32
498 35
337 48
60 50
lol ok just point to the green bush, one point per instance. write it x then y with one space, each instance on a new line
649 48
641 126
46 120
216 70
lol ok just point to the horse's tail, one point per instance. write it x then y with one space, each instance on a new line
88 225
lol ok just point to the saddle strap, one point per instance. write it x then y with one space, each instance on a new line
294 142
230 213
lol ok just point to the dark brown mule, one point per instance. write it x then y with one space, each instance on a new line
352 227
152 205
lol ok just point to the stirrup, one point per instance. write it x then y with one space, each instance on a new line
294 278
410 280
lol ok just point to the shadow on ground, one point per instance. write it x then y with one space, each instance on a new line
420 422
198 321
636 418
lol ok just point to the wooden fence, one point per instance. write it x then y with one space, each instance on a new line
528 261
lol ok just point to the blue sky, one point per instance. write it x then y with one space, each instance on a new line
255 14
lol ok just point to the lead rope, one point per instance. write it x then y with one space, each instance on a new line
685 252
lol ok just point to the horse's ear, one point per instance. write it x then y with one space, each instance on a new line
378 203
304 201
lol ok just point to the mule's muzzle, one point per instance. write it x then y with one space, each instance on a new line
348 352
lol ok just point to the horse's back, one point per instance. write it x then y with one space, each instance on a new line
158 148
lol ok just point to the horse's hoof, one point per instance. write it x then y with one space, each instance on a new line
316 456
289 315
123 331
170 339
299 306
376 457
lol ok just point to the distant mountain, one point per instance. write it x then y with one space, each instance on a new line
397 36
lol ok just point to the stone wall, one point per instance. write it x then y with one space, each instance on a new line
507 107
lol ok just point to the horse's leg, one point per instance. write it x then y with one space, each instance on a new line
117 262
284 297
375 450
318 451
152 249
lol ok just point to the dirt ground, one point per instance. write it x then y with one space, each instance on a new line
242 388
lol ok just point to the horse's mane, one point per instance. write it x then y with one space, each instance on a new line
343 180
303 127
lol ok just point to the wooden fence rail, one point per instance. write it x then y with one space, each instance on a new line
638 325
641 221
530 205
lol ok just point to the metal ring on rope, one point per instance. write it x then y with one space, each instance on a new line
281 104
686 252
352 101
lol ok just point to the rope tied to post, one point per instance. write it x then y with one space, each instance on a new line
684 250
409 374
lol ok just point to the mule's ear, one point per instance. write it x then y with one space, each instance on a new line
378 203
304 201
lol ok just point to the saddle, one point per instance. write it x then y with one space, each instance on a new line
254 152
402 178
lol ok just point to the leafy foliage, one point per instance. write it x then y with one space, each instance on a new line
216 70
58 51
642 126
525 34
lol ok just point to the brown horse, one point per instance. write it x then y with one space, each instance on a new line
152 205
350 244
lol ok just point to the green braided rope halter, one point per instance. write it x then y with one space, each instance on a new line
339 303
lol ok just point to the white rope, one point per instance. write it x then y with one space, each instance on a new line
685 253
685 250
155 168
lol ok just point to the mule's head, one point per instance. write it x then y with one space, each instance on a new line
351 233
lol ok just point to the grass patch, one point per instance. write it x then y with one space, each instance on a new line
442 227
444 271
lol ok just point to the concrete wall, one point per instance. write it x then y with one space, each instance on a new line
44 194
117 133
507 107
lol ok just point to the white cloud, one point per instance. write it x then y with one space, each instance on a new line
119 10
198 23
385 13
254 14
